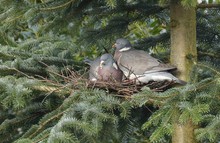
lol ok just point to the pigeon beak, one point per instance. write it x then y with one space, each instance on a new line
114 45
101 63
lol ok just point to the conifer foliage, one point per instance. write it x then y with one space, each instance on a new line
44 96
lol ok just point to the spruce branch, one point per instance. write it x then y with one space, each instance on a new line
7 40
209 54
209 67
42 125
42 138
208 6
14 19
19 71
57 7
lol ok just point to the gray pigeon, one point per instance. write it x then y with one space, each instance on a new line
139 65
104 68
108 69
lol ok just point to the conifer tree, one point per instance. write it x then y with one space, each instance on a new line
44 95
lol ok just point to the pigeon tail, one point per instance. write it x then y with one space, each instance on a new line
173 78
180 81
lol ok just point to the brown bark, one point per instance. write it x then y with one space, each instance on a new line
183 56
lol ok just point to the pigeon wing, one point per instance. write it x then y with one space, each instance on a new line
140 62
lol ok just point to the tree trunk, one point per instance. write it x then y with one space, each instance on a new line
183 56
184 133
183 38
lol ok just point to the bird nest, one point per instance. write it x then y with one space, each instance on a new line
129 87
124 88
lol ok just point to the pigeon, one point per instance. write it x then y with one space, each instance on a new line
108 69
104 68
138 65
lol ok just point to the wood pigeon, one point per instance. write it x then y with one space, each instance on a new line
139 65
104 68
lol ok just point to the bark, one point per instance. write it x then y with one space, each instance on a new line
183 56
184 133
183 38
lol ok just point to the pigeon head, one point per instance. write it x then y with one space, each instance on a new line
107 60
122 44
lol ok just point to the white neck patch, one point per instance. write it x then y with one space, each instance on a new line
125 49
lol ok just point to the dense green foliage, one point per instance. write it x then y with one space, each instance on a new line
42 45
